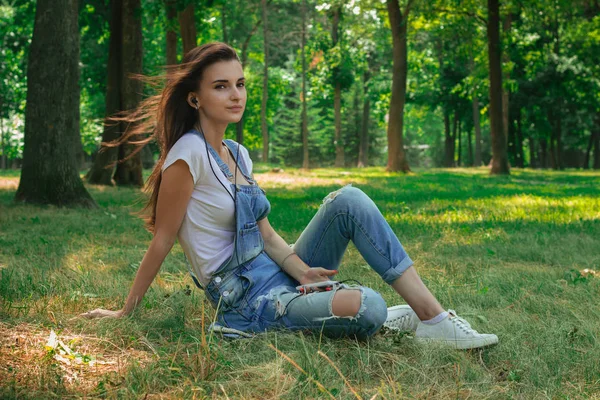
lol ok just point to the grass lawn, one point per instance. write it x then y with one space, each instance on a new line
506 252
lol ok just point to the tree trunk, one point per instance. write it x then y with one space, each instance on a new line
520 161
187 28
102 170
129 169
171 48
499 154
477 127
2 149
337 95
588 151
506 92
449 142
304 123
363 147
533 159
470 147
559 145
597 143
543 153
239 127
265 96
459 133
224 21
49 174
398 21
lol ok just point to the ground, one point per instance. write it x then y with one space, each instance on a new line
514 255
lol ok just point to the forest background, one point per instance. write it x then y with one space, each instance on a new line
343 53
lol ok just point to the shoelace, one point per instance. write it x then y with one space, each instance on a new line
461 323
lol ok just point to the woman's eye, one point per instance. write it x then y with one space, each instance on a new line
241 84
219 86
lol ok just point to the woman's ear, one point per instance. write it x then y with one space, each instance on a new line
193 101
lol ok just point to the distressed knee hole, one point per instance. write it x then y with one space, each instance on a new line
346 303
331 196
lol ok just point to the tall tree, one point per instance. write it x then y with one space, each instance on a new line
102 170
336 15
122 93
171 36
187 27
499 144
363 147
399 23
129 169
49 174
304 116
265 93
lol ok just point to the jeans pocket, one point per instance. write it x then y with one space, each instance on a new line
229 293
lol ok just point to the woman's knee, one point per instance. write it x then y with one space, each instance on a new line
346 197
373 311
363 304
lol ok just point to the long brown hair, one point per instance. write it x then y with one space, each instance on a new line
168 115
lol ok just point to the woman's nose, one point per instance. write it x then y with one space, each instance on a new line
236 93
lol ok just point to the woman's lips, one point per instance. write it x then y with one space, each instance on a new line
235 108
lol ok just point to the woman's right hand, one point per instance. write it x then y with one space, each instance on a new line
102 313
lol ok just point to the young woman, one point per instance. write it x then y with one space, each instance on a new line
204 194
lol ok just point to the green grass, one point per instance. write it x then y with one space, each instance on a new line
505 252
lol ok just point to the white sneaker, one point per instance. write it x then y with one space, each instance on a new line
401 318
454 332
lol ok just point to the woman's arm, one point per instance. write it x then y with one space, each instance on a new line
285 257
173 197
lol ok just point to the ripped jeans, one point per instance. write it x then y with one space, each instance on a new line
260 296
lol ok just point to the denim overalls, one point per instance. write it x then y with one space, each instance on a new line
253 294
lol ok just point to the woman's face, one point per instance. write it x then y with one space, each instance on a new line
222 94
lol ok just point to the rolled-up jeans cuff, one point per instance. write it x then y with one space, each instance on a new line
394 273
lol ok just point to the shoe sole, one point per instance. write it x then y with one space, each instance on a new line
460 344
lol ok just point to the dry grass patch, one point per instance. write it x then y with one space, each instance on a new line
69 363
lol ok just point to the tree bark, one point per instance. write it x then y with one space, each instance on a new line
499 153
459 149
224 21
363 148
477 126
533 159
543 153
239 127
129 169
449 142
337 94
520 161
559 145
102 170
470 147
49 174
187 28
3 157
597 143
588 151
505 91
265 94
171 45
398 21
304 122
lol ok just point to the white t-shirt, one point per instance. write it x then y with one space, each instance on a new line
208 228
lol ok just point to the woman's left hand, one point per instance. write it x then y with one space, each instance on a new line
317 274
